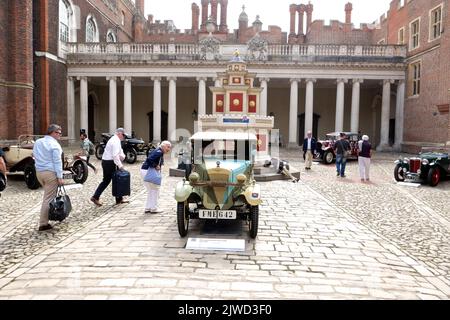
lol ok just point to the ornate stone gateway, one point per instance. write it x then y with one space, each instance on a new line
236 107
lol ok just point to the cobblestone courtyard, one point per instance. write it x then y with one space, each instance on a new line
323 238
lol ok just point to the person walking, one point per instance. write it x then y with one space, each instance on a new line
2 170
111 162
87 148
47 154
309 146
155 160
364 156
342 148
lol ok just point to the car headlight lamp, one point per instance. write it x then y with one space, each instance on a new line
241 178
425 162
194 177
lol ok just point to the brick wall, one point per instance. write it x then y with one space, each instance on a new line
337 33
423 122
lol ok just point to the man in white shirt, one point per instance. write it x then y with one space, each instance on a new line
111 161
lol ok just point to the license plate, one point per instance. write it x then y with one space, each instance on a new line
67 175
217 214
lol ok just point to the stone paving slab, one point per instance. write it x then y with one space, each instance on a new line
315 241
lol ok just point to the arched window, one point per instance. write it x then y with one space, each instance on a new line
91 30
64 21
110 36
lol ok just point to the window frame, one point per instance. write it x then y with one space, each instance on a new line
95 36
111 32
411 35
415 82
402 30
431 24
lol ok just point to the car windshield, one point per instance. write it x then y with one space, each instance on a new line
435 150
223 150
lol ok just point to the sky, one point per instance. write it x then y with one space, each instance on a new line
273 12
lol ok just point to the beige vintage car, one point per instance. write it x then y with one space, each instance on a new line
220 182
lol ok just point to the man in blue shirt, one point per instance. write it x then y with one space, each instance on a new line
47 154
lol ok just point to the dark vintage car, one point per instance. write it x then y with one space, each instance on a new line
325 148
220 184
132 147
430 166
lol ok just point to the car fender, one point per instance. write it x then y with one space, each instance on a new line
253 195
182 191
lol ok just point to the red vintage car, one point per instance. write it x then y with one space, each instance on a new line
325 148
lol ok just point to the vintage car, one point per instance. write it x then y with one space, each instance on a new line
325 148
132 147
220 182
431 166
19 160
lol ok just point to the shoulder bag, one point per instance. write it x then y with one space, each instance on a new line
60 206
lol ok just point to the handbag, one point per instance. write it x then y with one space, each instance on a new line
60 207
154 176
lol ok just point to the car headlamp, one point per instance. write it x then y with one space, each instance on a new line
241 178
194 177
425 162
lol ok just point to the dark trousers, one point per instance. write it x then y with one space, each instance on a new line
109 167
90 164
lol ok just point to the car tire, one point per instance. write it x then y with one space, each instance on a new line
182 219
434 176
399 174
99 149
328 157
130 155
253 221
30 177
80 171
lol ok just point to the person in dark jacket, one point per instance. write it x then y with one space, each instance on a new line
155 160
341 148
309 146
364 155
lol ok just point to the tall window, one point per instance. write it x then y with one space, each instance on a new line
123 18
91 30
401 36
435 23
63 21
414 29
416 70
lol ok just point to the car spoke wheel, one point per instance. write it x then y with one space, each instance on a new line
399 173
328 157
30 177
130 156
253 221
182 218
81 172
434 176
99 149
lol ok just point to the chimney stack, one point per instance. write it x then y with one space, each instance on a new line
140 6
348 13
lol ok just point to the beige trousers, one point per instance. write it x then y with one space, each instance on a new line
49 182
308 159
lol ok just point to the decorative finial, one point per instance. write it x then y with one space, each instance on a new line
243 7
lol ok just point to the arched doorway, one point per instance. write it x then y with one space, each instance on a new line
164 125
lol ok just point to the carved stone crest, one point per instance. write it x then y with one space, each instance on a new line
209 48
257 48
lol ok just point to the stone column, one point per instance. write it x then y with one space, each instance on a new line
201 95
127 108
84 116
156 109
264 92
399 115
292 11
71 108
309 105
293 114
385 116
112 104
354 126
172 108
339 124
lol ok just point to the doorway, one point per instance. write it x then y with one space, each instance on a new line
164 125
301 125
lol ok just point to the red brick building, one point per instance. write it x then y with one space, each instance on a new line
51 47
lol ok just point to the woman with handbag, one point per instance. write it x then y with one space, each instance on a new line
151 174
